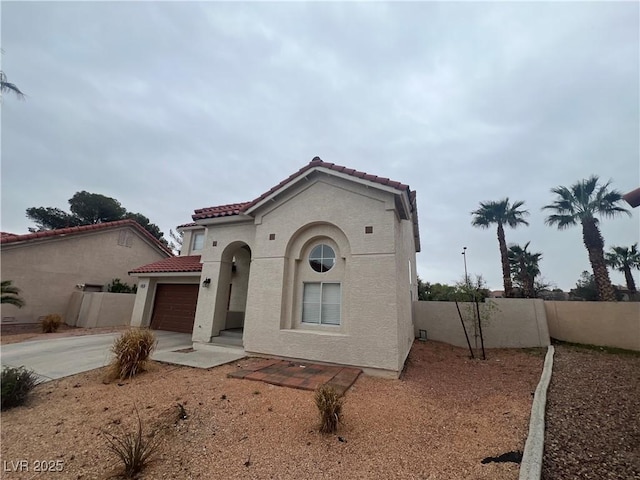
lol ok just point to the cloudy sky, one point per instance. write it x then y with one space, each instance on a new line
169 107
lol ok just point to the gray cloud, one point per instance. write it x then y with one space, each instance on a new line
174 106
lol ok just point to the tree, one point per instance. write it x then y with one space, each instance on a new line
6 86
581 204
586 288
501 213
87 209
524 267
11 294
93 208
177 238
50 218
624 260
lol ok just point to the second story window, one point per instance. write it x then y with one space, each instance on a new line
198 241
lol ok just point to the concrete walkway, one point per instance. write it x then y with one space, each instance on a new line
61 357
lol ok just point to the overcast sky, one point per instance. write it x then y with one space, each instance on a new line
169 107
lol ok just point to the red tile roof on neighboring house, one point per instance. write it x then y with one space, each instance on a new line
190 263
238 208
7 234
633 197
60 232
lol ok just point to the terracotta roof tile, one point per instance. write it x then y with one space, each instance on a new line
11 238
190 263
219 211
238 208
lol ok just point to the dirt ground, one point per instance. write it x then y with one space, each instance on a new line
437 422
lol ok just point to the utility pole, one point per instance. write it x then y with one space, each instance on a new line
466 276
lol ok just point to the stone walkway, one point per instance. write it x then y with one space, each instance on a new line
305 376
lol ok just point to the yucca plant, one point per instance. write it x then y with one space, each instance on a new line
51 323
132 350
134 450
17 382
329 403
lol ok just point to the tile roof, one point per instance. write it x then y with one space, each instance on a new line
60 232
238 208
187 263
219 211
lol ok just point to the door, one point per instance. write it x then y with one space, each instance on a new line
174 308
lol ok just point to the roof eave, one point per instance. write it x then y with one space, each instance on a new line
303 175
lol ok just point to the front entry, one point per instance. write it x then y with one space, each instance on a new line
174 307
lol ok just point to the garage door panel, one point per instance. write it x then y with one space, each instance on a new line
175 307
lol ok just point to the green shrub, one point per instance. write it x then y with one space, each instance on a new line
329 403
134 450
51 323
131 350
16 385
116 286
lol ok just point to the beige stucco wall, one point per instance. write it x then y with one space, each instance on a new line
508 323
376 330
99 309
612 324
47 271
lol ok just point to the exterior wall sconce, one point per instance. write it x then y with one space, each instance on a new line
206 282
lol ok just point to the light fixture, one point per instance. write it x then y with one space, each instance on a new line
206 282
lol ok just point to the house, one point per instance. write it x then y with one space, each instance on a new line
321 267
633 197
49 266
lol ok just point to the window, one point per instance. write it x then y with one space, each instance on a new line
321 303
125 239
198 241
322 258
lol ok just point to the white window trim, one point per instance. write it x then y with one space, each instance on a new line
319 322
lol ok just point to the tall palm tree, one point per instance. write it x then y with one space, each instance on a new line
6 86
624 260
525 267
10 294
501 213
581 204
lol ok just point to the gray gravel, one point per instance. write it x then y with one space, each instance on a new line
593 416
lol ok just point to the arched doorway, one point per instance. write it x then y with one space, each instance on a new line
231 297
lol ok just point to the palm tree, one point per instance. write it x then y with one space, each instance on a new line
10 294
624 260
6 86
581 204
525 267
501 213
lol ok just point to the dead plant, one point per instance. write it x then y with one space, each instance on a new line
132 350
329 403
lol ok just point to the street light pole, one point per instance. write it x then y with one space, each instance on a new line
466 276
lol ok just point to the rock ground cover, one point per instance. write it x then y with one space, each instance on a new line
439 421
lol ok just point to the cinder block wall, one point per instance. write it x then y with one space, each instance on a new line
506 323
611 324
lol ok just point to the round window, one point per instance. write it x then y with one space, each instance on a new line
322 258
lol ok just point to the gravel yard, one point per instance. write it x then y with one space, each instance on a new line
593 416
437 422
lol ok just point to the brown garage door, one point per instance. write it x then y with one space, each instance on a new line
174 308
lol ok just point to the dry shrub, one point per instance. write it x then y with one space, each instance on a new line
51 323
132 449
329 403
16 382
131 350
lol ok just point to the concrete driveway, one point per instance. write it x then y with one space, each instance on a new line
61 357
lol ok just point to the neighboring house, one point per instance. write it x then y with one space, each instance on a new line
633 197
49 266
321 268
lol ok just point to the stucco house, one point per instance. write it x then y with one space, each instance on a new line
321 267
49 266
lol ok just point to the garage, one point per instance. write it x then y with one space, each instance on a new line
174 308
